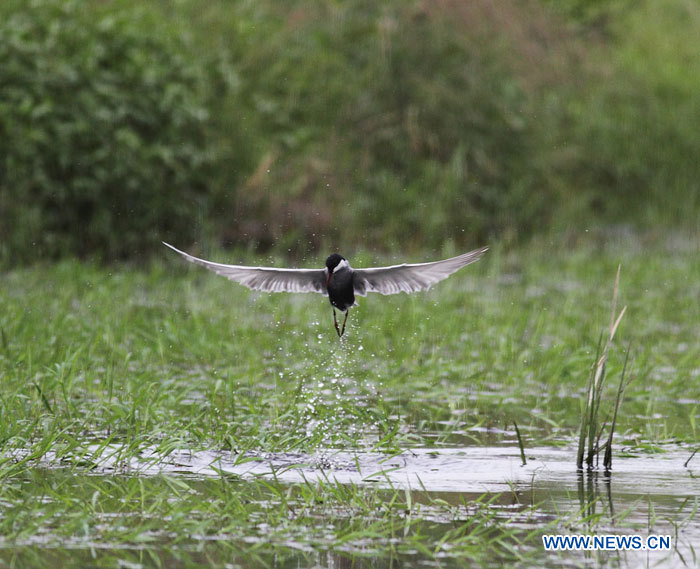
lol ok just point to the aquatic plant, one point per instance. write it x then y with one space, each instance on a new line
591 430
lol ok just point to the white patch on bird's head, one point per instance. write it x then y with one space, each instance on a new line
342 265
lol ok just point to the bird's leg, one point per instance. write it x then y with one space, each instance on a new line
335 321
344 321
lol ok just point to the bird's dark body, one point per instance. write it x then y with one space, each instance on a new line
341 291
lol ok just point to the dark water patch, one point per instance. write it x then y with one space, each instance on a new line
646 493
264 496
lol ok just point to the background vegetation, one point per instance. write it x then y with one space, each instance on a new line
303 125
294 128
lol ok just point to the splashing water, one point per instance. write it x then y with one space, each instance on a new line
334 386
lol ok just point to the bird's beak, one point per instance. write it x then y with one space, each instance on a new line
328 280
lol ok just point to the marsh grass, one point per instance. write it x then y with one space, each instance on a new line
176 358
126 364
592 429
521 446
252 521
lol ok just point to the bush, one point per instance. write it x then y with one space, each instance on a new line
379 124
102 133
638 130
307 125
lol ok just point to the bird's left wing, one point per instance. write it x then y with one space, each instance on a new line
267 279
410 278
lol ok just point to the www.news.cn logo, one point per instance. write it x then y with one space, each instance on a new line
605 542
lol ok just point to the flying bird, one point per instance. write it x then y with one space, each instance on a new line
338 280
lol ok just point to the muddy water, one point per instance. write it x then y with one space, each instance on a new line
646 493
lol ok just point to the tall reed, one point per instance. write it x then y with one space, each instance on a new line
591 430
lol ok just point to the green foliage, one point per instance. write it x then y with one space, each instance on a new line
637 129
301 125
102 132
593 13
386 121
161 356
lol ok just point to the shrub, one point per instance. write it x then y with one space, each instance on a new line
638 132
380 123
102 132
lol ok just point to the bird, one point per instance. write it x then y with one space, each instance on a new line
338 280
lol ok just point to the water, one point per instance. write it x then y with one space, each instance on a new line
646 493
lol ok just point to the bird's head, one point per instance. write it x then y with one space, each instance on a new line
331 263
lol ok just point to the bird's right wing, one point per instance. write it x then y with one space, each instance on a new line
410 278
267 279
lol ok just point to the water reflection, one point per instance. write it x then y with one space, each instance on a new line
591 497
645 494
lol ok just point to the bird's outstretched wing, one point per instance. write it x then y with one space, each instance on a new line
410 278
267 279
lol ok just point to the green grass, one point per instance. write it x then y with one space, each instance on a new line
291 126
227 520
172 357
